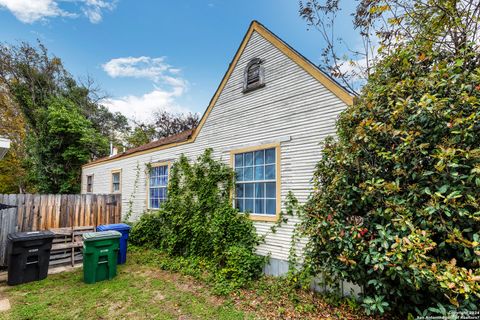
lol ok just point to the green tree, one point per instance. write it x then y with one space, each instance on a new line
141 134
396 206
13 174
66 142
163 124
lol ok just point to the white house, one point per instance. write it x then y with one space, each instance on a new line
271 111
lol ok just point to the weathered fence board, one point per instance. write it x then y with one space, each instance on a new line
8 219
34 212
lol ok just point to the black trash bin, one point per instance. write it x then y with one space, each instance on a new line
28 256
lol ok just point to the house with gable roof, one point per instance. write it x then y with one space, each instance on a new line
267 119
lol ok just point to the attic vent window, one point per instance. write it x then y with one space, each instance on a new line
253 76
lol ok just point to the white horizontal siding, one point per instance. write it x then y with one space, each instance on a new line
292 104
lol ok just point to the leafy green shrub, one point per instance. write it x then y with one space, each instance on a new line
396 206
240 268
198 220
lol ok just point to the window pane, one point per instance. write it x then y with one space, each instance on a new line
248 190
164 180
259 206
270 172
158 182
259 173
259 190
271 207
259 157
270 156
239 160
239 190
270 190
248 174
248 159
251 193
239 174
239 205
248 205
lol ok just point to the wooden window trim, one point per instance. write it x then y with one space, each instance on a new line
278 178
153 165
86 183
119 171
261 75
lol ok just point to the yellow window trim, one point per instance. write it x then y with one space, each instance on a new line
153 165
255 26
120 181
278 178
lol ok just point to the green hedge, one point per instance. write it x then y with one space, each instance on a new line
396 206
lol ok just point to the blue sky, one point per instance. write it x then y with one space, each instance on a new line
152 54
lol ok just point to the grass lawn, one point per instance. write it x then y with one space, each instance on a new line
144 291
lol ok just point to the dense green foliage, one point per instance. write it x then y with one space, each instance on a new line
55 122
198 220
12 126
397 200
396 205
64 144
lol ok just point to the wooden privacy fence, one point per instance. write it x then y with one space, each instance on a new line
32 212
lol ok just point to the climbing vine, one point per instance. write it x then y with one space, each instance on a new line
197 221
131 200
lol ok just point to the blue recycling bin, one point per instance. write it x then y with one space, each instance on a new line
124 229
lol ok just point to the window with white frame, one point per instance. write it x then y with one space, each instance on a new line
256 182
116 181
158 181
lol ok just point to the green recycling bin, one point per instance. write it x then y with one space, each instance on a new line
100 252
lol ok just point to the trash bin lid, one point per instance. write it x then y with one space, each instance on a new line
102 235
115 226
31 235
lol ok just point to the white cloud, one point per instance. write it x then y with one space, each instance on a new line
142 107
30 11
168 87
93 9
138 67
